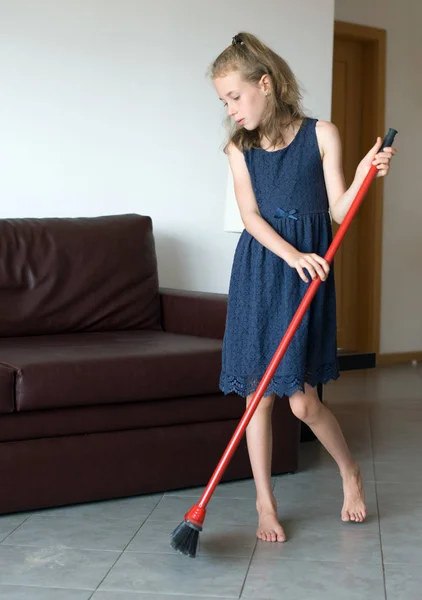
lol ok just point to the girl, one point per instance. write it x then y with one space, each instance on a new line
288 179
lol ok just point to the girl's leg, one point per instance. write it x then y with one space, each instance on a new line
307 407
259 439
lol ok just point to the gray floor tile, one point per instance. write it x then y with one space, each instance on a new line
397 440
314 516
396 436
403 582
52 567
10 523
398 499
355 427
393 419
235 489
314 502
298 580
400 522
313 458
220 510
346 544
395 452
217 540
18 592
126 508
398 471
396 386
348 385
140 596
165 573
91 534
394 422
325 468
401 543
243 512
228 540
347 405
347 394
294 488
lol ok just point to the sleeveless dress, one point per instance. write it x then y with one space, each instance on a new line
265 292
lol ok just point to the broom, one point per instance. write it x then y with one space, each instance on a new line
185 537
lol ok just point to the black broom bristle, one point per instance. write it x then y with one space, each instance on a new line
185 538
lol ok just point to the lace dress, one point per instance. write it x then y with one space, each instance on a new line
265 292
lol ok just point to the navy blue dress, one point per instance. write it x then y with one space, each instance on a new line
265 292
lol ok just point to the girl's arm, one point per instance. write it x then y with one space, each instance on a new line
261 230
339 198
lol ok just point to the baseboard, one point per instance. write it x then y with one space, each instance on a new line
398 358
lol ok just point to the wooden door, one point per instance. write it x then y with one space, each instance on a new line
347 115
358 109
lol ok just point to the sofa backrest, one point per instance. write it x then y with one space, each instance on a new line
60 275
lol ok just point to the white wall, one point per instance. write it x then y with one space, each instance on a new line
401 320
105 108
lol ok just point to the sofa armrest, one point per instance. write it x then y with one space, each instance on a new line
202 314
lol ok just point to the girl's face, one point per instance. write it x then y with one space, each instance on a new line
245 102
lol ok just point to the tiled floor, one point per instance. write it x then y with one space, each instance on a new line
119 550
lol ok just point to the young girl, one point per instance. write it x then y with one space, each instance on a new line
288 179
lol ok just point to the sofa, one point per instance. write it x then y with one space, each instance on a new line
109 383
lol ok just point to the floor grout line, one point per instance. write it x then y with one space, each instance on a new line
129 542
248 568
376 495
2 542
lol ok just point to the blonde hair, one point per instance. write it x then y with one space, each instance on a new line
253 59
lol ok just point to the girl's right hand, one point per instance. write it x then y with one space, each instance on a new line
314 264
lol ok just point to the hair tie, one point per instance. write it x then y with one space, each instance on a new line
237 40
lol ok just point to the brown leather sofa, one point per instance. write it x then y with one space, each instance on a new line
109 385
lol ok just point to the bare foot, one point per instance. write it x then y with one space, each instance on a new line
269 528
354 508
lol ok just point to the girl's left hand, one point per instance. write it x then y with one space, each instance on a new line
374 157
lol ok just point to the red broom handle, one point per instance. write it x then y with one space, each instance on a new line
291 330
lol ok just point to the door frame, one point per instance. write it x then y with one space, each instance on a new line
373 125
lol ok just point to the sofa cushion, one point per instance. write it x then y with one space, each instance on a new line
99 368
82 420
7 389
80 274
